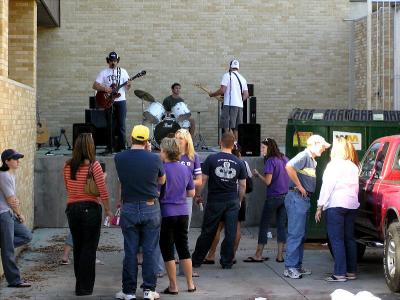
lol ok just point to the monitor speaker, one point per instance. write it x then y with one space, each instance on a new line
99 134
249 139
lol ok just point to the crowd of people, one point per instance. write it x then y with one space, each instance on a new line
156 208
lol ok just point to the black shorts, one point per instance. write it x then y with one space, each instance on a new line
242 212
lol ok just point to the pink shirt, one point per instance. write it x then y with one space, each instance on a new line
339 185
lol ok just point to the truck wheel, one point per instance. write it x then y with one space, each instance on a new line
360 250
391 257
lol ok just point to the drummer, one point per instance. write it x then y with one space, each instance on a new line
170 101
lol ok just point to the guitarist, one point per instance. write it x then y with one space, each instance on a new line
234 88
116 114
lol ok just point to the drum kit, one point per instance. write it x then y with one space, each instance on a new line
162 123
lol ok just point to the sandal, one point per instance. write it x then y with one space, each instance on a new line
279 260
168 292
334 278
192 290
64 262
351 276
251 259
208 261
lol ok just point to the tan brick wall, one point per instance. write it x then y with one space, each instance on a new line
22 42
294 52
381 62
18 101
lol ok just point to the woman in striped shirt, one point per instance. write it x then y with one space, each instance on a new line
84 210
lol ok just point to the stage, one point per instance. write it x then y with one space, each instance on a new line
50 193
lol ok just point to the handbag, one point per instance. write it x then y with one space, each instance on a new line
115 219
91 186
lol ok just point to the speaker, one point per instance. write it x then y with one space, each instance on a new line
99 134
250 106
249 139
96 117
92 102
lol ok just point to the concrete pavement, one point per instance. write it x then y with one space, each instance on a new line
245 281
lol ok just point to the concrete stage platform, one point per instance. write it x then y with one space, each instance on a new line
50 193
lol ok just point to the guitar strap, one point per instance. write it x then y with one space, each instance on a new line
241 89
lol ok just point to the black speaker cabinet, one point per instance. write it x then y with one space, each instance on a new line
96 117
92 102
250 106
249 139
99 134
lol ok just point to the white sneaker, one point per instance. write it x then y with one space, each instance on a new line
123 296
150 295
292 273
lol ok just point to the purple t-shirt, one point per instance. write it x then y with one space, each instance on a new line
173 192
193 165
280 179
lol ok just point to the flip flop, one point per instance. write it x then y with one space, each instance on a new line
208 261
279 260
192 290
333 278
168 292
64 262
251 259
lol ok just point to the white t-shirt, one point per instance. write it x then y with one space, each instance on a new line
233 98
109 76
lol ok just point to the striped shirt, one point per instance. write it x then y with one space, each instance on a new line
193 165
76 188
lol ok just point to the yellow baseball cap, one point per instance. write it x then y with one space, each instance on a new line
140 133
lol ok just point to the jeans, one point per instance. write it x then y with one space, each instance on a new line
140 224
117 115
297 208
340 227
216 211
84 219
273 204
12 234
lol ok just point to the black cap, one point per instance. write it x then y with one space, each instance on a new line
113 56
10 154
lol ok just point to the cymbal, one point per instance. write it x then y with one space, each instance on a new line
144 95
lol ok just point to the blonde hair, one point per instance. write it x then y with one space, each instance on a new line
171 148
344 149
188 138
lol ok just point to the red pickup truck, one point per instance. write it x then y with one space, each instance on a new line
378 221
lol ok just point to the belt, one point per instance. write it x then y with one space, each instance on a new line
309 194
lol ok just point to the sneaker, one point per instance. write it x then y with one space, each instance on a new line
304 271
123 296
292 273
150 295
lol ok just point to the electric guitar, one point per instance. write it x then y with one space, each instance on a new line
200 86
106 100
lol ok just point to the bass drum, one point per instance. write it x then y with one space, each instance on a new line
164 129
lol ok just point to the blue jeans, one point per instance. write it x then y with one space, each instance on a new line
140 224
218 211
273 204
12 234
297 208
340 227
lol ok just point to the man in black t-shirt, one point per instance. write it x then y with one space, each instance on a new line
173 99
222 171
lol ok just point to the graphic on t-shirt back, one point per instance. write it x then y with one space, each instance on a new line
225 171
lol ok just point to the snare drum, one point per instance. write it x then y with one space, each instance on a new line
181 111
164 128
154 113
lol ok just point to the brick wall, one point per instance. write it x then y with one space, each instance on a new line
18 99
381 62
294 52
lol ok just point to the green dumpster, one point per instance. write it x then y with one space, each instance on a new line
362 127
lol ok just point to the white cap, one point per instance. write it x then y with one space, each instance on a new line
234 64
317 139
